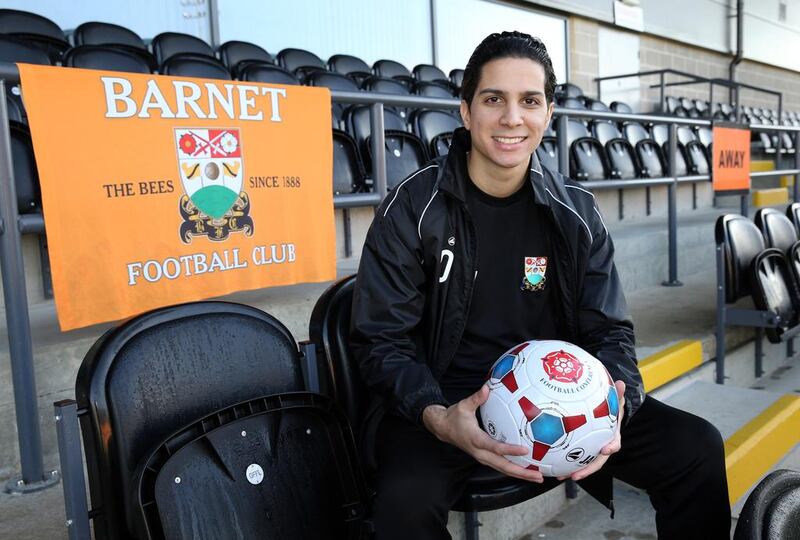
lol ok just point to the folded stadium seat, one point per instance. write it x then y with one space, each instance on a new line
751 269
356 119
383 85
333 81
329 331
293 59
702 107
457 77
349 175
349 65
547 152
595 104
236 54
772 510
779 232
105 57
435 129
393 70
168 44
266 73
568 90
16 112
429 72
14 50
587 156
619 152
433 89
405 153
696 152
101 33
191 370
661 137
34 29
571 103
793 213
26 177
194 65
648 152
620 107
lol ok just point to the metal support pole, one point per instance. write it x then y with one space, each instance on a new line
471 526
348 240
720 330
759 364
23 376
563 147
661 98
790 348
378 148
621 203
672 210
69 452
796 165
744 202
571 488
648 202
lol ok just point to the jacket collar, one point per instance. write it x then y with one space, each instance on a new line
453 177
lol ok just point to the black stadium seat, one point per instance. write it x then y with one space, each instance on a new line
348 168
568 90
293 59
267 73
405 153
393 70
333 81
349 65
793 213
429 72
570 103
435 129
236 54
587 156
16 112
457 77
779 232
772 510
383 85
648 152
102 33
161 405
168 44
661 137
433 89
106 58
619 152
14 50
34 29
26 177
357 124
620 107
547 152
195 65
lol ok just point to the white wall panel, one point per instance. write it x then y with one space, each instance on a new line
697 22
618 54
145 17
462 24
370 30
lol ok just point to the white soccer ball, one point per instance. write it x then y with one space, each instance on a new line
554 398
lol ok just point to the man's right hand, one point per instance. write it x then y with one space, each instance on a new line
457 425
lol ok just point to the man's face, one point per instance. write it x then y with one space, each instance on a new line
508 113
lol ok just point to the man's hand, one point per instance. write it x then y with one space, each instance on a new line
610 448
458 426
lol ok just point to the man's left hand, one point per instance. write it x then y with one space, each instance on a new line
610 448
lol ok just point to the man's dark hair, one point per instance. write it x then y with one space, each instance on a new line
507 45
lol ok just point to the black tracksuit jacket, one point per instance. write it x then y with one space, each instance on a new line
417 272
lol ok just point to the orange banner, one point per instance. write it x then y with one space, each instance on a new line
730 159
160 190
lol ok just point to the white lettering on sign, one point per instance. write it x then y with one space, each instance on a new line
209 101
153 271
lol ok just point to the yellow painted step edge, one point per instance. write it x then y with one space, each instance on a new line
759 165
770 197
669 364
759 444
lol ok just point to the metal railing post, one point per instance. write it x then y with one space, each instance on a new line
563 147
672 210
378 147
20 347
662 105
796 164
720 330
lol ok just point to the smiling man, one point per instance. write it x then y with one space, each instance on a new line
443 289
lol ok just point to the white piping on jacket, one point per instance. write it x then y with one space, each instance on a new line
419 225
397 189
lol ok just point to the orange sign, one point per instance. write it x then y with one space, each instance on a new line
160 190
730 159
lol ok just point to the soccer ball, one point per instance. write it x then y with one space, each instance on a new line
554 398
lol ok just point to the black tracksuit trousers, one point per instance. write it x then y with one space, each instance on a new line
676 457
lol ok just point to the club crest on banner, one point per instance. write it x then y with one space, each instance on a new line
535 269
211 170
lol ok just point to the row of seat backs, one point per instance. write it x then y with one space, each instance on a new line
603 151
432 131
182 401
762 260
